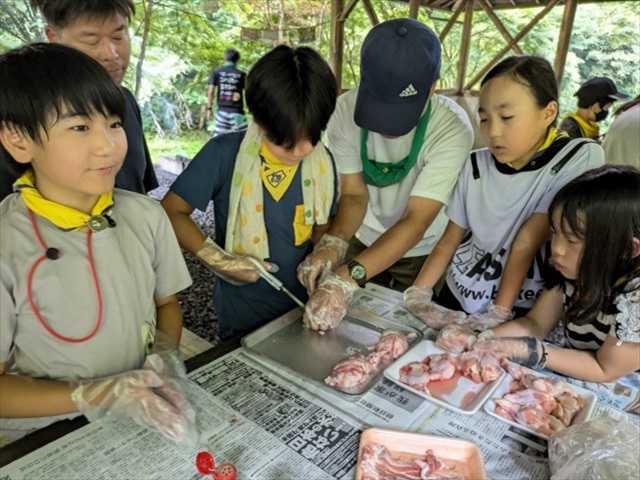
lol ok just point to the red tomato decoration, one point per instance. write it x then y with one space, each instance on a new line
225 471
205 463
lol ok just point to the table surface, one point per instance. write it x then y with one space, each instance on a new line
43 436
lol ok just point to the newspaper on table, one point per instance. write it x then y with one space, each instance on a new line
272 424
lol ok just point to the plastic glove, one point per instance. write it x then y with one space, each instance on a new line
327 306
418 301
494 316
131 394
527 351
328 254
232 268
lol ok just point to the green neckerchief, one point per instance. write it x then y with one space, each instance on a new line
381 174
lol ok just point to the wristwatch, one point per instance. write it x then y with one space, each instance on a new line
357 272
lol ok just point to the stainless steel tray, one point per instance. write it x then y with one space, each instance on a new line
312 355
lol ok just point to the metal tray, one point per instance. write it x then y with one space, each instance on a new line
312 355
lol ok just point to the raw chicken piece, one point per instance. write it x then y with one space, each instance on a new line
455 338
376 463
416 375
441 366
506 409
539 421
480 366
393 344
352 371
553 386
532 398
567 407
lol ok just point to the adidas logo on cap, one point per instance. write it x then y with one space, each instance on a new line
409 91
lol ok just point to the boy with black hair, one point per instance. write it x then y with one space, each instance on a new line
226 84
88 273
595 98
273 188
99 29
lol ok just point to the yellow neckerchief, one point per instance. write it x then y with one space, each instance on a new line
276 176
589 129
63 217
552 135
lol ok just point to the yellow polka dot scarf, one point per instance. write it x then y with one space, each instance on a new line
246 231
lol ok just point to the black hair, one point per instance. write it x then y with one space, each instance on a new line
602 208
291 94
231 55
62 13
39 81
533 72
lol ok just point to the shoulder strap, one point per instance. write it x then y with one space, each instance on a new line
563 161
474 166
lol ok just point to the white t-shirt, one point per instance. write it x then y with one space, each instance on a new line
136 262
622 142
447 143
493 207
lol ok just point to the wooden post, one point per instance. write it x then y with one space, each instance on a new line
522 33
368 7
464 45
451 22
336 44
413 8
566 28
488 9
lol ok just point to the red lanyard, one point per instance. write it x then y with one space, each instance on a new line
54 254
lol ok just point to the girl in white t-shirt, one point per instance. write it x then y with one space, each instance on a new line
494 243
596 250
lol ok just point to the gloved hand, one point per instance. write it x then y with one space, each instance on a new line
418 302
527 351
494 316
131 394
327 306
328 254
232 268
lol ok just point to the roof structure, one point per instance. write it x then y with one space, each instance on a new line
341 9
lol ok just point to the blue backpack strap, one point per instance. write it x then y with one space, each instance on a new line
563 161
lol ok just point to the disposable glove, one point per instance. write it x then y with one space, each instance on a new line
235 269
455 338
418 301
327 306
494 316
328 254
527 351
133 394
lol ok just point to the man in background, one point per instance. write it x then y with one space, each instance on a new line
100 29
226 84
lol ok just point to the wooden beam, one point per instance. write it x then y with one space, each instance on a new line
463 58
348 9
336 43
566 27
523 32
451 22
488 9
368 7
413 8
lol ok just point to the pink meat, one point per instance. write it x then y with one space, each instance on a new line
480 366
441 366
532 398
376 463
455 338
416 375
352 371
393 344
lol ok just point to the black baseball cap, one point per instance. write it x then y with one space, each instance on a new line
598 89
399 63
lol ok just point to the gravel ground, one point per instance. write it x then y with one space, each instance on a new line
197 302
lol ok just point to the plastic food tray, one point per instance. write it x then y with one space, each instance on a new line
461 455
459 393
313 355
581 417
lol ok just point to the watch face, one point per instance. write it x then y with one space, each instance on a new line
358 272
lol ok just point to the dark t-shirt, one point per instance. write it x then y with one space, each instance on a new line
230 83
571 127
137 173
208 177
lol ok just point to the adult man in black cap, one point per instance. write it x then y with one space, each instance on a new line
399 148
595 98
